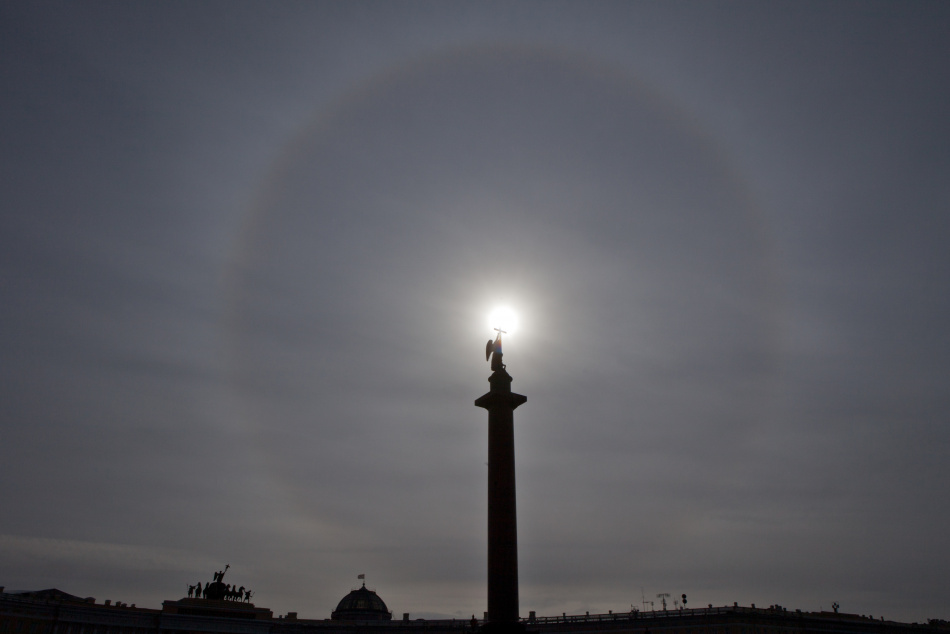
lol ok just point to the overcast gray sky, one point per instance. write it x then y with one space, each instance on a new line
247 253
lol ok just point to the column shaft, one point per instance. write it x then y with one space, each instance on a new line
502 518
501 402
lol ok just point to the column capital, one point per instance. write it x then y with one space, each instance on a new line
494 400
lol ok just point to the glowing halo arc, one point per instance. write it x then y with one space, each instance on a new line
267 195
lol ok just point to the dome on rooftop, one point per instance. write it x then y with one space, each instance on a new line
361 605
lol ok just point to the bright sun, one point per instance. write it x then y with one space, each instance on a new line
504 318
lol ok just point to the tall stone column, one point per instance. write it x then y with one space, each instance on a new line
501 402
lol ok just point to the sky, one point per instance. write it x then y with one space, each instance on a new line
247 257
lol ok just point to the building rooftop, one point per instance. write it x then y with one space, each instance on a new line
361 604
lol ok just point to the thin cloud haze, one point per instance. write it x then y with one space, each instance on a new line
247 254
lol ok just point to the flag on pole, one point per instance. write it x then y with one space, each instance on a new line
360 576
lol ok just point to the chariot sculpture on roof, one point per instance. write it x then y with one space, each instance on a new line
217 590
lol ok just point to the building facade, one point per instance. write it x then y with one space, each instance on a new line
56 612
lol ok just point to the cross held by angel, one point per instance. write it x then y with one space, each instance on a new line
493 351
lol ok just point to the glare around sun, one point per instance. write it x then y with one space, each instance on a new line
503 318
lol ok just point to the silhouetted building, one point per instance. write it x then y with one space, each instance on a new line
361 605
56 612
216 607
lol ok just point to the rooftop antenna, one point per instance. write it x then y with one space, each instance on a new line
662 597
